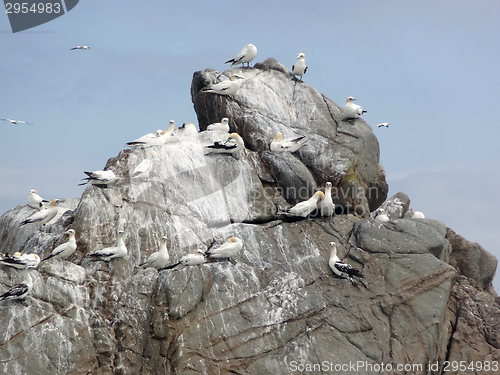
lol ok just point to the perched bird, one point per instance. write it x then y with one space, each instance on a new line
229 248
352 110
291 145
305 208
19 291
146 139
381 216
418 215
233 145
160 258
189 260
15 121
246 55
383 124
341 269
188 130
226 87
35 201
171 127
142 170
64 250
43 216
118 251
327 207
300 68
99 178
21 261
222 126
80 47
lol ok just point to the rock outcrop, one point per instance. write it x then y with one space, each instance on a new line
276 308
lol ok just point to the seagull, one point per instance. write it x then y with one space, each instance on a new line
300 68
292 145
341 269
160 258
246 55
15 121
381 216
142 170
189 260
118 251
80 47
305 208
327 207
43 216
229 248
226 87
233 145
99 178
64 250
35 201
21 261
222 126
418 215
383 124
352 110
19 291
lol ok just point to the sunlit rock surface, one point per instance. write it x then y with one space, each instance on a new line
276 307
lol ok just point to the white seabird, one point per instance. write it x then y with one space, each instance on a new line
233 145
246 55
64 250
341 269
145 139
118 251
228 249
381 216
35 201
327 207
80 47
300 68
383 124
99 178
160 258
19 291
352 110
305 208
291 145
189 260
142 170
418 215
226 87
222 126
43 216
21 261
15 121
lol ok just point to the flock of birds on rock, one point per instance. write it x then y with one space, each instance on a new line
232 146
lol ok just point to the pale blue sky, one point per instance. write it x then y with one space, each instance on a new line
430 68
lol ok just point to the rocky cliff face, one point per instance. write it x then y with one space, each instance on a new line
276 308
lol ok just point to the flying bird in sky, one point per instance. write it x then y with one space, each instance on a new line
15 121
80 47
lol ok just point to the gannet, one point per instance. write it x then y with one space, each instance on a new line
189 260
146 138
15 121
19 291
226 87
118 251
80 47
352 110
341 269
229 248
305 208
300 68
233 145
246 55
43 216
222 126
383 124
21 261
292 145
64 250
171 127
99 178
381 216
142 170
327 207
418 215
35 201
160 258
